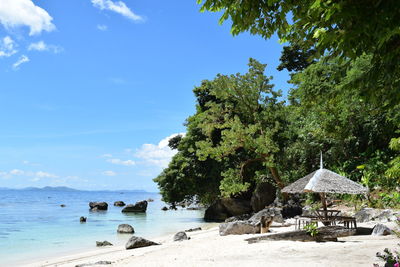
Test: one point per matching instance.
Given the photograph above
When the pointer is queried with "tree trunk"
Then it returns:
(277, 177)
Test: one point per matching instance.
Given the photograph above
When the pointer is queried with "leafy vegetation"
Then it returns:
(338, 29)
(344, 63)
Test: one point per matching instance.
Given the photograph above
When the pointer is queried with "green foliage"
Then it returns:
(344, 29)
(394, 171)
(232, 140)
(311, 229)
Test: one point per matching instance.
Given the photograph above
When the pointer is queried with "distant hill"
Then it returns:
(50, 188)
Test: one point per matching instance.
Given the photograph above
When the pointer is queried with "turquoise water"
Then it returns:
(33, 226)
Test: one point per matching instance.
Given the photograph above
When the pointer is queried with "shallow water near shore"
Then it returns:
(34, 226)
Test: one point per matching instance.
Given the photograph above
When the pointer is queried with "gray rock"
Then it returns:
(224, 208)
(62, 205)
(119, 203)
(140, 206)
(150, 200)
(103, 243)
(125, 229)
(94, 264)
(82, 219)
(381, 229)
(366, 214)
(243, 217)
(164, 208)
(291, 210)
(139, 242)
(216, 212)
(267, 212)
(370, 214)
(263, 195)
(95, 206)
(238, 228)
(180, 236)
(236, 206)
(193, 229)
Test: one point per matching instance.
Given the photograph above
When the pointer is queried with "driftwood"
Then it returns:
(328, 233)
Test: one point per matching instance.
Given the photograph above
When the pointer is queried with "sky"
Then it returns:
(91, 90)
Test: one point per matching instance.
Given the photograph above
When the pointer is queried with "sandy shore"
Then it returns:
(207, 248)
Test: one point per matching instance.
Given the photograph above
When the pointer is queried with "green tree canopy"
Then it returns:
(344, 29)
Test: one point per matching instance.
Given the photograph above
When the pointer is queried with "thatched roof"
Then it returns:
(325, 181)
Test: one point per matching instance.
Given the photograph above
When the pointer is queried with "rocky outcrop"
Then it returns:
(263, 195)
(243, 217)
(370, 214)
(140, 206)
(381, 229)
(180, 236)
(119, 203)
(274, 213)
(95, 206)
(216, 212)
(125, 229)
(103, 243)
(238, 228)
(139, 242)
(82, 219)
(224, 208)
(291, 210)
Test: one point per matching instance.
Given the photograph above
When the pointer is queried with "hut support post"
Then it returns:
(324, 205)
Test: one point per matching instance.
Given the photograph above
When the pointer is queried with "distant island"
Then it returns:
(68, 189)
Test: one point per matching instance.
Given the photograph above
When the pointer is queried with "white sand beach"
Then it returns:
(207, 248)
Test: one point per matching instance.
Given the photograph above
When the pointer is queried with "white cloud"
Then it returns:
(109, 173)
(22, 59)
(102, 27)
(117, 7)
(159, 155)
(42, 46)
(7, 47)
(122, 162)
(106, 156)
(41, 174)
(17, 172)
(15, 13)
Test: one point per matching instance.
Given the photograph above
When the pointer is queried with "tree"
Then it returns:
(344, 29)
(232, 142)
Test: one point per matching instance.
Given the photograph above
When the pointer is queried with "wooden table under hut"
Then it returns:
(324, 181)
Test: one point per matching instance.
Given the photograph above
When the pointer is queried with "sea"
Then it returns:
(34, 226)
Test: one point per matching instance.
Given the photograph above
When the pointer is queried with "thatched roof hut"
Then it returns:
(325, 181)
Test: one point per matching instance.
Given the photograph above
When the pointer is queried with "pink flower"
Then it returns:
(396, 264)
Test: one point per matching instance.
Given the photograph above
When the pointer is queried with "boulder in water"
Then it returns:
(103, 243)
(125, 229)
(140, 206)
(119, 203)
(82, 219)
(95, 206)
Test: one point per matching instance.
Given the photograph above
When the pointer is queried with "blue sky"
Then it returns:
(91, 89)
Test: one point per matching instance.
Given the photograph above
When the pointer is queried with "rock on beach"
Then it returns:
(139, 242)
